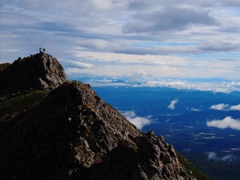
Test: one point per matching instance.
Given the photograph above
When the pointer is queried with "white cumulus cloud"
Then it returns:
(172, 104)
(235, 108)
(227, 122)
(138, 76)
(220, 107)
(225, 107)
(139, 122)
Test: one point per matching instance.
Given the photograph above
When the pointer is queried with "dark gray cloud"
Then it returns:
(171, 18)
(232, 29)
(219, 46)
(232, 3)
(227, 59)
(158, 50)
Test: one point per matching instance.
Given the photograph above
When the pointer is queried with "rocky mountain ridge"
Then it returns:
(74, 134)
(38, 71)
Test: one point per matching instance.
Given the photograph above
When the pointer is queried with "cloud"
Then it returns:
(139, 122)
(172, 104)
(186, 150)
(235, 108)
(227, 59)
(225, 107)
(138, 76)
(195, 109)
(220, 85)
(220, 107)
(78, 64)
(170, 18)
(234, 3)
(227, 158)
(212, 156)
(159, 50)
(227, 122)
(163, 38)
(220, 46)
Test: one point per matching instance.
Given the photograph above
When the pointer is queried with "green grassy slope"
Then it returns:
(19, 104)
(191, 169)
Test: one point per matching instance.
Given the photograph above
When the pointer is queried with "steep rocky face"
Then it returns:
(39, 71)
(74, 134)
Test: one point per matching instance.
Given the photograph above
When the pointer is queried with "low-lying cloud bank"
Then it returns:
(227, 158)
(227, 122)
(143, 80)
(195, 109)
(225, 107)
(139, 122)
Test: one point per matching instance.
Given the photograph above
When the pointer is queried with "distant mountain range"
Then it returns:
(201, 84)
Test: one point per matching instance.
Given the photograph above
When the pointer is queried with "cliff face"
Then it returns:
(39, 71)
(73, 134)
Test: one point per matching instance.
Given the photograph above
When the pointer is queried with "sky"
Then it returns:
(127, 38)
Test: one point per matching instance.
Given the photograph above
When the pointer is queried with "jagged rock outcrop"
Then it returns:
(74, 134)
(39, 71)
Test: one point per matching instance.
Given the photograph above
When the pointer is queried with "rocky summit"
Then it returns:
(39, 71)
(72, 134)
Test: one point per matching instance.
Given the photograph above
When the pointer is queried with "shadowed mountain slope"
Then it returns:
(73, 134)
(51, 128)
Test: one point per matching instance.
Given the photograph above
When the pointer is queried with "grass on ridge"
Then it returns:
(18, 104)
(191, 169)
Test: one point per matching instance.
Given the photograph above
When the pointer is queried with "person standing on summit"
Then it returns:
(42, 50)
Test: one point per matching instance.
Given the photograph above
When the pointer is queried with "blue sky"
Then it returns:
(115, 38)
